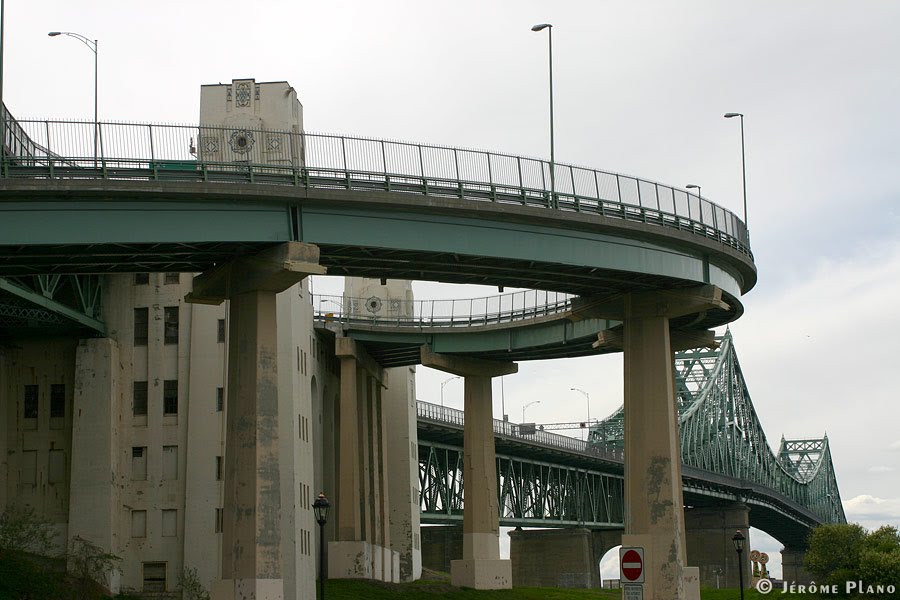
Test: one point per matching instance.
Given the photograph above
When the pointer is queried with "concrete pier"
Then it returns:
(709, 545)
(481, 566)
(252, 565)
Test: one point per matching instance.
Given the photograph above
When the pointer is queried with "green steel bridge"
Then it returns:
(168, 198)
(550, 480)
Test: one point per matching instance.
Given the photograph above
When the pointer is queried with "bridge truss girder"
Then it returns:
(531, 493)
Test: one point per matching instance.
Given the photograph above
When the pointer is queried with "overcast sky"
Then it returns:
(640, 88)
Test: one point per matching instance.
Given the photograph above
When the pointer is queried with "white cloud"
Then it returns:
(895, 445)
(872, 512)
(880, 469)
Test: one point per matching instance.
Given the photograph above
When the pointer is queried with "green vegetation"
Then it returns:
(847, 552)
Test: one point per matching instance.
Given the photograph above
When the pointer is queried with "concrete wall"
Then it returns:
(792, 568)
(709, 546)
(561, 558)
(37, 452)
(440, 545)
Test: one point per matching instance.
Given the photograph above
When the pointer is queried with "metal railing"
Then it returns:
(314, 160)
(513, 431)
(471, 312)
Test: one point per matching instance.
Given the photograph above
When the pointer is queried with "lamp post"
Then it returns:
(443, 383)
(526, 406)
(743, 165)
(92, 46)
(588, 398)
(738, 541)
(691, 186)
(549, 28)
(320, 507)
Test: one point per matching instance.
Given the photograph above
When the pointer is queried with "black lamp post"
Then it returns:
(320, 507)
(738, 540)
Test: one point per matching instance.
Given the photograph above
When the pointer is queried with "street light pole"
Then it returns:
(588, 398)
(691, 186)
(443, 383)
(743, 165)
(526, 406)
(93, 47)
(549, 28)
(320, 508)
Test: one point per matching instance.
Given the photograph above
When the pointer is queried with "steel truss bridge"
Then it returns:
(557, 481)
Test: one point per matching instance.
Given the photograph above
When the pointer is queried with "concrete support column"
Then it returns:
(251, 540)
(95, 508)
(361, 550)
(251, 557)
(793, 570)
(654, 506)
(556, 558)
(709, 546)
(481, 566)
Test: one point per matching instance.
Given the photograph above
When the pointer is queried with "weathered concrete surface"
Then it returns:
(709, 546)
(558, 558)
(440, 546)
(792, 567)
(654, 503)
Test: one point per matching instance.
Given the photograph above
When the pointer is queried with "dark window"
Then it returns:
(141, 278)
(172, 278)
(170, 314)
(220, 399)
(221, 333)
(31, 402)
(219, 519)
(141, 326)
(218, 468)
(57, 400)
(139, 402)
(170, 397)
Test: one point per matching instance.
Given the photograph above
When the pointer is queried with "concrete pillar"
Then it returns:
(480, 566)
(399, 406)
(556, 558)
(9, 418)
(94, 506)
(709, 546)
(793, 569)
(440, 546)
(251, 558)
(361, 550)
(654, 507)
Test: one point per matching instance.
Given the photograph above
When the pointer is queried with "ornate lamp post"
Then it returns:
(738, 540)
(320, 507)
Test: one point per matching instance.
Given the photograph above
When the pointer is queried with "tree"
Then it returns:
(191, 588)
(846, 552)
(89, 562)
(22, 530)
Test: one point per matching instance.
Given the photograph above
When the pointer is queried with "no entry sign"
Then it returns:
(631, 565)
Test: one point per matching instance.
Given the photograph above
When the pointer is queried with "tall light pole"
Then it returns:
(526, 406)
(92, 46)
(743, 165)
(692, 186)
(588, 398)
(549, 28)
(443, 383)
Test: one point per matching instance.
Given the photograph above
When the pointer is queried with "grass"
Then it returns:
(437, 585)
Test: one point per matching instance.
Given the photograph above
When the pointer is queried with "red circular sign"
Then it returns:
(632, 566)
